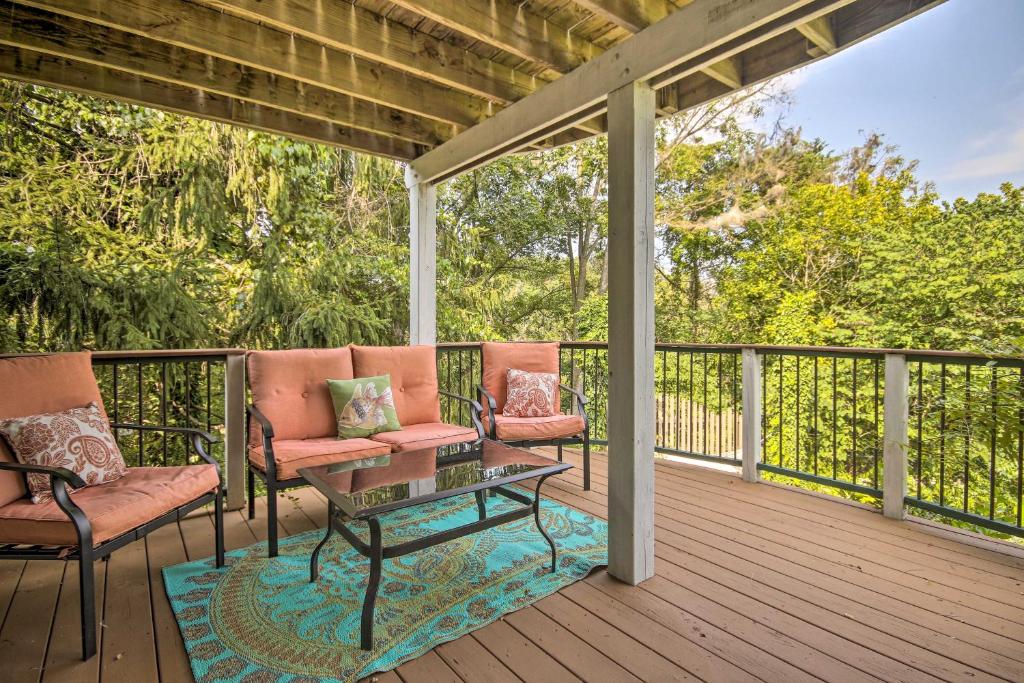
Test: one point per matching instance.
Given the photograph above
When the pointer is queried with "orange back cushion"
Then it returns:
(498, 357)
(413, 371)
(290, 389)
(42, 384)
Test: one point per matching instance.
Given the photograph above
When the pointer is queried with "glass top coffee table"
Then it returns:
(365, 489)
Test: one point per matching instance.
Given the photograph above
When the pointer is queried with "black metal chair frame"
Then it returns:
(85, 552)
(269, 475)
(582, 439)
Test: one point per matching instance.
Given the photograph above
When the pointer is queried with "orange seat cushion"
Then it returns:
(114, 508)
(291, 454)
(498, 357)
(426, 435)
(509, 428)
(290, 389)
(42, 384)
(413, 371)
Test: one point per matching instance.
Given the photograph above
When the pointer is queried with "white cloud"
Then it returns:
(995, 154)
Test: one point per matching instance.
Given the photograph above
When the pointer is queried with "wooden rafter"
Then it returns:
(350, 28)
(102, 46)
(632, 15)
(229, 37)
(514, 29)
(88, 79)
(819, 32)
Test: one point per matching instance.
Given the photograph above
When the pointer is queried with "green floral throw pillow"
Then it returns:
(363, 406)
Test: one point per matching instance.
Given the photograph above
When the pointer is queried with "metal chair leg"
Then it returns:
(586, 459)
(87, 596)
(252, 491)
(218, 523)
(271, 519)
(559, 451)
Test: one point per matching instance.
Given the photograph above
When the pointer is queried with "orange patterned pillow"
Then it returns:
(78, 439)
(531, 394)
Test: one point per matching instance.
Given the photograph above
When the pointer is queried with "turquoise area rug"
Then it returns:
(259, 620)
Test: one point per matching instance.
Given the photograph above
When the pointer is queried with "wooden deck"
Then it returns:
(754, 582)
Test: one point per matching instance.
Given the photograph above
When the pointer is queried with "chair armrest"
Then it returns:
(579, 395)
(581, 403)
(475, 410)
(492, 406)
(265, 426)
(56, 473)
(197, 436)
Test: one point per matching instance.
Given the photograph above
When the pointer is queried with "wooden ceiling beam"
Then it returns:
(819, 32)
(345, 26)
(632, 15)
(729, 71)
(102, 46)
(509, 27)
(232, 38)
(88, 79)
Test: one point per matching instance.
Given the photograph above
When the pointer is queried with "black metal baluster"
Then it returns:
(163, 405)
(967, 437)
(796, 424)
(815, 415)
(209, 402)
(117, 400)
(690, 442)
(678, 414)
(835, 418)
(942, 434)
(853, 475)
(704, 406)
(735, 412)
(188, 410)
(920, 426)
(142, 434)
(782, 360)
(764, 404)
(1020, 444)
(877, 446)
(719, 356)
(994, 390)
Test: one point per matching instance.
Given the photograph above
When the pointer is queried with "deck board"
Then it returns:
(754, 582)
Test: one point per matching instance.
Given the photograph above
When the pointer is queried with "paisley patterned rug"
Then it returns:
(259, 620)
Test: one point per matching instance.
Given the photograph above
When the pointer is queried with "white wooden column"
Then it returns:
(631, 168)
(422, 260)
(751, 414)
(896, 414)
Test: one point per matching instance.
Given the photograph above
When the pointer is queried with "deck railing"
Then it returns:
(948, 426)
(939, 432)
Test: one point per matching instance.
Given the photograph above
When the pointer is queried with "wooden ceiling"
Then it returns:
(395, 79)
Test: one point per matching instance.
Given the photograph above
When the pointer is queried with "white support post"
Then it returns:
(234, 430)
(895, 437)
(422, 260)
(631, 169)
(751, 414)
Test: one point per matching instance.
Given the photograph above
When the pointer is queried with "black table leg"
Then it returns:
(314, 561)
(376, 559)
(547, 537)
(481, 505)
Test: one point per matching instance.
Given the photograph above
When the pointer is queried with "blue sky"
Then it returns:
(947, 87)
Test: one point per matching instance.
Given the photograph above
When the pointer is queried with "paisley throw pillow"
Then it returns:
(531, 394)
(78, 439)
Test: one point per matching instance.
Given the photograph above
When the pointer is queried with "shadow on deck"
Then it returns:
(754, 582)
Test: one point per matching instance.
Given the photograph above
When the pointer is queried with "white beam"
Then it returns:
(422, 260)
(896, 419)
(631, 170)
(751, 414)
(696, 36)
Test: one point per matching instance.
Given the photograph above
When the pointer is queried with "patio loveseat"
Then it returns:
(292, 423)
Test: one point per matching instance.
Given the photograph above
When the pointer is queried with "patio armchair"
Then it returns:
(292, 423)
(95, 520)
(554, 430)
